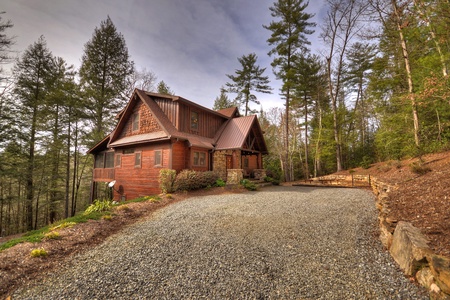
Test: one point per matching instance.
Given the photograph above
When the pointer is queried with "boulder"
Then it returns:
(440, 268)
(409, 248)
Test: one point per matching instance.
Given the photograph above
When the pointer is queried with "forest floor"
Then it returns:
(421, 194)
(422, 199)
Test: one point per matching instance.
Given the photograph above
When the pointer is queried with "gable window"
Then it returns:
(158, 158)
(135, 121)
(137, 159)
(199, 159)
(194, 120)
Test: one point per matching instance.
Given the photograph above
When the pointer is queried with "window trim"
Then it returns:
(136, 154)
(194, 120)
(99, 163)
(111, 155)
(199, 159)
(118, 160)
(160, 158)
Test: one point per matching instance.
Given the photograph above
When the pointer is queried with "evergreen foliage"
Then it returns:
(288, 38)
(247, 80)
(222, 101)
(105, 68)
(164, 89)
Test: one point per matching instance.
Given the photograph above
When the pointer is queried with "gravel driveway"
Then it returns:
(277, 243)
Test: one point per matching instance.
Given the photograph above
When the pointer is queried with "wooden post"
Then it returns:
(352, 181)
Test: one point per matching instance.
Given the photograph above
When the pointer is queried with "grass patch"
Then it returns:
(52, 235)
(36, 236)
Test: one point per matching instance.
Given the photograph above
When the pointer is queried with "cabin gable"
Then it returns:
(146, 122)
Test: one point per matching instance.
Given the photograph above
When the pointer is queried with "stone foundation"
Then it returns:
(234, 176)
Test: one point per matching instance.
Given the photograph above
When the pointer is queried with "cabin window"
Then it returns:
(199, 159)
(158, 158)
(194, 120)
(118, 160)
(135, 120)
(137, 159)
(99, 160)
(109, 160)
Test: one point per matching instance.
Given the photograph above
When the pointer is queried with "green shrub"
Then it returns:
(271, 180)
(366, 162)
(192, 180)
(275, 182)
(249, 185)
(39, 252)
(99, 206)
(220, 182)
(167, 180)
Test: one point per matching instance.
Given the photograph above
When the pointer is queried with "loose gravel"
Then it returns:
(277, 243)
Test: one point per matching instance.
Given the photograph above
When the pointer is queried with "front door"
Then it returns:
(229, 162)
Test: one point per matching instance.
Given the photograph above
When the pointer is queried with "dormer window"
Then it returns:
(194, 120)
(135, 122)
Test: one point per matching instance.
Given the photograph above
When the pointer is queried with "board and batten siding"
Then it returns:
(180, 115)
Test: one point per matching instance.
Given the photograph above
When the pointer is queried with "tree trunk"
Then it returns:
(30, 174)
(306, 139)
(67, 187)
(408, 73)
(55, 170)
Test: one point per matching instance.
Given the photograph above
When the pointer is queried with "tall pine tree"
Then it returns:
(289, 39)
(104, 70)
(34, 77)
(247, 80)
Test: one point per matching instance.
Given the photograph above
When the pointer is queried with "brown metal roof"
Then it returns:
(202, 142)
(229, 112)
(234, 134)
(140, 138)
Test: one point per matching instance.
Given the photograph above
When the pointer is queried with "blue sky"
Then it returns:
(190, 44)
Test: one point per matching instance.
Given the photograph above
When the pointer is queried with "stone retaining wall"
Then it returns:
(409, 248)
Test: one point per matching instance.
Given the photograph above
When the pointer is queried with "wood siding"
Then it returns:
(147, 122)
(208, 124)
(170, 109)
(179, 152)
(143, 180)
(103, 175)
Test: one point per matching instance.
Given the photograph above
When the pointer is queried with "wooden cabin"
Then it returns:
(157, 131)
